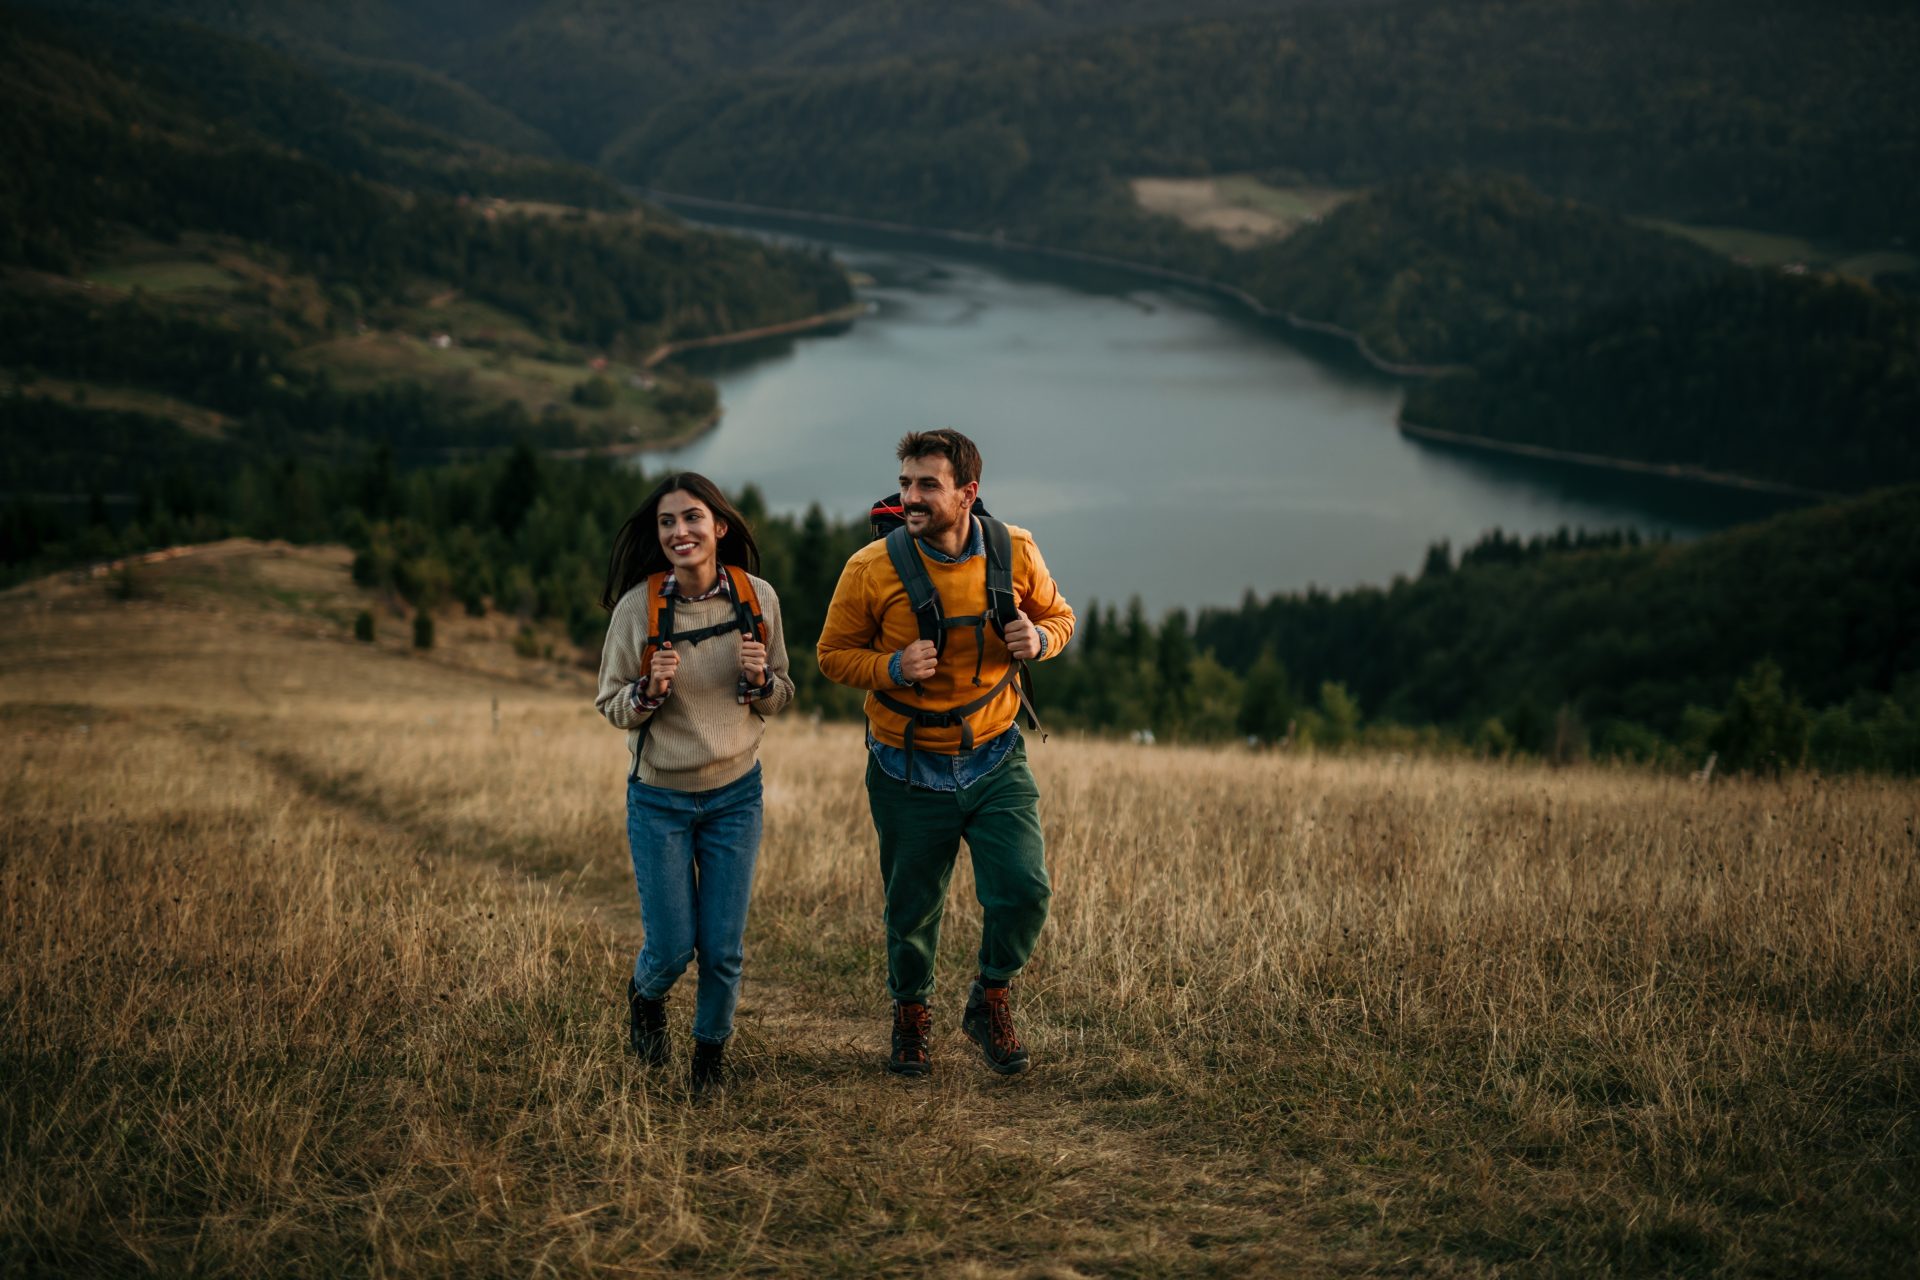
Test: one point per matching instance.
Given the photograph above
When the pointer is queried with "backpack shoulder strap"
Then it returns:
(659, 620)
(659, 626)
(1000, 602)
(921, 595)
(1001, 606)
(746, 604)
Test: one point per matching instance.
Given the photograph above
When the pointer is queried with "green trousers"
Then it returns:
(920, 834)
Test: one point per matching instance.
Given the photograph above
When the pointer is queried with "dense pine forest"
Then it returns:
(1444, 269)
(1771, 114)
(1818, 384)
(1773, 645)
(577, 74)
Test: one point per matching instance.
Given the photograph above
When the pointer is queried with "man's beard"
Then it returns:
(936, 523)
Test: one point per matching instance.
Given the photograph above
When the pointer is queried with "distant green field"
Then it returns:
(194, 419)
(1770, 249)
(479, 374)
(1866, 266)
(176, 276)
(468, 320)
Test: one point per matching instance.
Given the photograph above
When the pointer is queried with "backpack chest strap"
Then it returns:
(697, 634)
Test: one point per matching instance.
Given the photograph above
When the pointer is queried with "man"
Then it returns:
(945, 759)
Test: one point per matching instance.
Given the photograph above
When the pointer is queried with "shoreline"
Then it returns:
(628, 449)
(990, 241)
(1664, 470)
(820, 320)
(667, 350)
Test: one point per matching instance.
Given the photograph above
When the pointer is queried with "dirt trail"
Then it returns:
(275, 694)
(790, 1042)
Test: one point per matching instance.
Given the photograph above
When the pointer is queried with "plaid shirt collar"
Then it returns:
(722, 586)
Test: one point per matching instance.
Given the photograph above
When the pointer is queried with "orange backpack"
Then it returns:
(746, 618)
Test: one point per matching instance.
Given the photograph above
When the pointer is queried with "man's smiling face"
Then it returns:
(931, 502)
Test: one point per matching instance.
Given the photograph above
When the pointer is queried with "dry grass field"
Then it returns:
(307, 968)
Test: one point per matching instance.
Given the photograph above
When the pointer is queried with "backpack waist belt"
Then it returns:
(922, 718)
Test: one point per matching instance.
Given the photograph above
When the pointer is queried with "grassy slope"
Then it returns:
(306, 967)
(495, 358)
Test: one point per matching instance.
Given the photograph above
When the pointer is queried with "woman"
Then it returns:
(694, 662)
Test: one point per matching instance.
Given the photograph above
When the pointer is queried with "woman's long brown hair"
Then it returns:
(637, 552)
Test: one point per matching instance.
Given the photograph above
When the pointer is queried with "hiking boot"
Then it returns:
(988, 1022)
(647, 1026)
(709, 1065)
(912, 1021)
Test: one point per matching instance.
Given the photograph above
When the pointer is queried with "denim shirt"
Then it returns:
(931, 770)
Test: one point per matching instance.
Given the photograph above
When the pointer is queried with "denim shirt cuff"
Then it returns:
(893, 670)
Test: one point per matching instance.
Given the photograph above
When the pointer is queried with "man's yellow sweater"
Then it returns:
(870, 619)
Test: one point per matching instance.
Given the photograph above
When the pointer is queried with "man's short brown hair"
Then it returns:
(946, 443)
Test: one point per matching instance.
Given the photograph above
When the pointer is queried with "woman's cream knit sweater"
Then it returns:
(702, 737)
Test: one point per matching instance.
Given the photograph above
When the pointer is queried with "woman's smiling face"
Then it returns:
(689, 533)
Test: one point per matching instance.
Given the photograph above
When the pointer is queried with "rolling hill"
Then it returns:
(322, 273)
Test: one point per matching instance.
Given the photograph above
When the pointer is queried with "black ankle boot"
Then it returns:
(647, 1026)
(709, 1065)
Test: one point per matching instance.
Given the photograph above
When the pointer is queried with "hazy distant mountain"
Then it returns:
(1769, 113)
(388, 53)
(585, 71)
(1764, 113)
(180, 69)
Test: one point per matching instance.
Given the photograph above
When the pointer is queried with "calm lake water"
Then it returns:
(1155, 440)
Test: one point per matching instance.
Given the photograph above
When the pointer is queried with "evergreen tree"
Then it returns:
(1764, 728)
(1266, 706)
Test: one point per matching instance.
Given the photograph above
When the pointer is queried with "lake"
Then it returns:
(1157, 440)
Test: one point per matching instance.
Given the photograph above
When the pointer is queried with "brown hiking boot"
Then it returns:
(911, 1023)
(988, 1022)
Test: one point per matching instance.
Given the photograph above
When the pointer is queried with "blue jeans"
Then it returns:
(693, 856)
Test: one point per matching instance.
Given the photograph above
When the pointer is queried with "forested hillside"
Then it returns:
(1768, 114)
(585, 71)
(1029, 119)
(1764, 114)
(236, 300)
(1449, 269)
(1633, 634)
(1815, 384)
(269, 251)
(87, 68)
(1774, 643)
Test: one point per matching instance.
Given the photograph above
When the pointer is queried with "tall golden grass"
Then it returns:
(306, 968)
